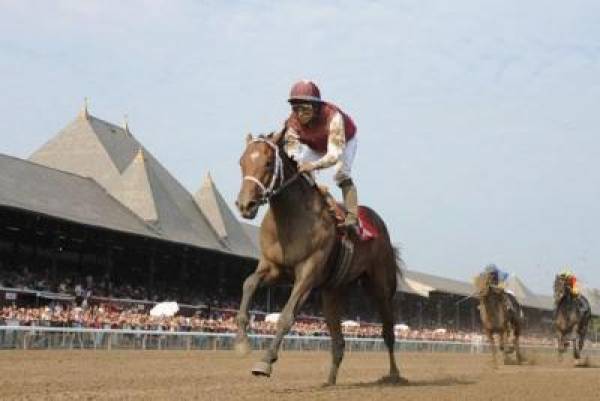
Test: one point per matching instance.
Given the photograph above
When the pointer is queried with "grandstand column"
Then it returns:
(54, 257)
(151, 268)
(183, 266)
(457, 318)
(109, 266)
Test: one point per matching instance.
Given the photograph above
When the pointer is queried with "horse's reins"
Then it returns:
(278, 175)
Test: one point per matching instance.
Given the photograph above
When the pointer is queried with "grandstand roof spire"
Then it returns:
(84, 109)
(126, 124)
(140, 156)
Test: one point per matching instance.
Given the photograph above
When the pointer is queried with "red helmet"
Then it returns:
(305, 91)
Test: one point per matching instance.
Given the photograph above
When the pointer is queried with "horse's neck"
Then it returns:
(567, 301)
(298, 202)
(493, 298)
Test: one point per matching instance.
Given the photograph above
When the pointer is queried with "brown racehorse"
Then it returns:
(297, 236)
(500, 314)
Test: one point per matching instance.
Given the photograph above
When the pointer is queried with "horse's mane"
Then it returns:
(278, 139)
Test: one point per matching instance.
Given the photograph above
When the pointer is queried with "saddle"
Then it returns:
(512, 305)
(366, 229)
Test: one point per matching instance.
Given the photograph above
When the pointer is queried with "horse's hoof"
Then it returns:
(261, 369)
(242, 347)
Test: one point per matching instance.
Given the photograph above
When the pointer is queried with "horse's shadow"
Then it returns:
(439, 382)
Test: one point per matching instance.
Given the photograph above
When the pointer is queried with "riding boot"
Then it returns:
(351, 202)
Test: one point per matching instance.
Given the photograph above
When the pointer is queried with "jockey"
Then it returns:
(498, 279)
(571, 280)
(497, 276)
(319, 135)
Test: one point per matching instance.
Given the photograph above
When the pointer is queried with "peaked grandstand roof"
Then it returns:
(424, 283)
(134, 191)
(113, 157)
(224, 222)
(252, 232)
(29, 186)
(523, 294)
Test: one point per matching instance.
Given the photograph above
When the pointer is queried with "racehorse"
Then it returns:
(500, 314)
(572, 315)
(298, 237)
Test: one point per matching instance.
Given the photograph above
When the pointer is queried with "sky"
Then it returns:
(477, 119)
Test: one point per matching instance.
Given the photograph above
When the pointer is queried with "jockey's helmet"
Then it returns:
(566, 272)
(305, 91)
(491, 268)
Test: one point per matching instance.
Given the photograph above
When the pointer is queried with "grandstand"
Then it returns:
(94, 215)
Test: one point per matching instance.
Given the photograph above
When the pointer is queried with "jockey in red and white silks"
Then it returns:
(319, 135)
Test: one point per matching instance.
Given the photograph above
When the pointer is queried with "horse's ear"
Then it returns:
(249, 138)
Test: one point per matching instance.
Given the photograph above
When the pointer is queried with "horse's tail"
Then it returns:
(400, 265)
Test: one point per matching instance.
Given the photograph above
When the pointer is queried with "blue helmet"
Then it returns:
(492, 268)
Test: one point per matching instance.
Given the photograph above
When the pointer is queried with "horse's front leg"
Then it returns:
(303, 284)
(490, 336)
(503, 347)
(242, 319)
(576, 353)
(561, 345)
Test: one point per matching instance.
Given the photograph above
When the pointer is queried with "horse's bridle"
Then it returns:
(278, 175)
(564, 291)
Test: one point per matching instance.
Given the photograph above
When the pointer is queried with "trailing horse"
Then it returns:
(572, 315)
(500, 314)
(299, 240)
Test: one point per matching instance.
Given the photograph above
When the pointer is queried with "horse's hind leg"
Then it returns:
(384, 300)
(582, 333)
(332, 311)
(516, 335)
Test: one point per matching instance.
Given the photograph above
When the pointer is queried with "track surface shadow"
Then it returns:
(439, 382)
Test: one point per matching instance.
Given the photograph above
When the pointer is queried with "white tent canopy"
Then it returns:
(272, 317)
(164, 309)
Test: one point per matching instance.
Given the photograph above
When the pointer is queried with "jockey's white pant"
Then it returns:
(343, 168)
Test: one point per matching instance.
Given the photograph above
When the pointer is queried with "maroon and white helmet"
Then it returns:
(306, 91)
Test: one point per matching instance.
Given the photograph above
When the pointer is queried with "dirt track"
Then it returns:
(203, 375)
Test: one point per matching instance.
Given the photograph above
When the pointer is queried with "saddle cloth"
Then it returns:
(367, 230)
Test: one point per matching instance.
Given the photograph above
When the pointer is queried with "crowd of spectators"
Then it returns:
(21, 277)
(108, 317)
(95, 306)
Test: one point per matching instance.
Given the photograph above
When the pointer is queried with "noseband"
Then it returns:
(267, 192)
